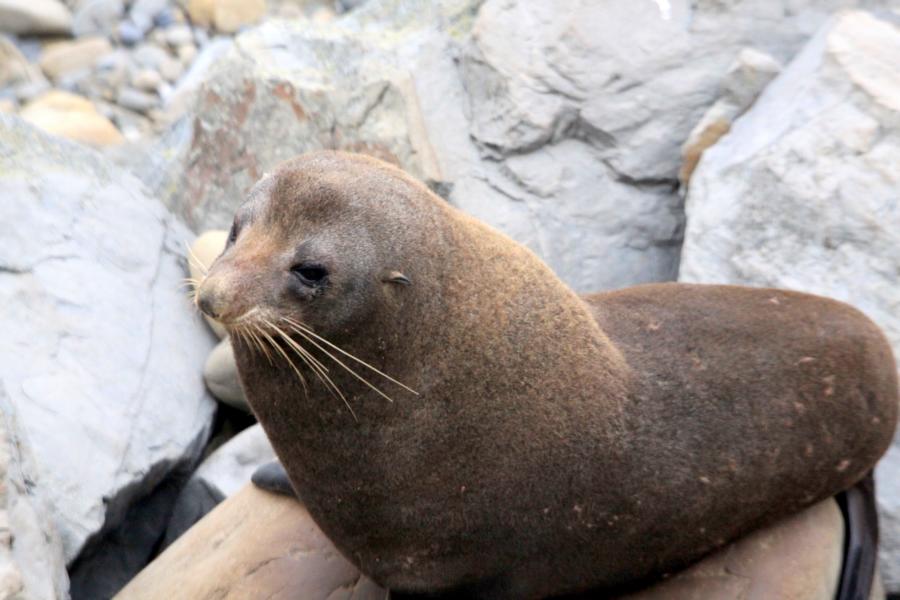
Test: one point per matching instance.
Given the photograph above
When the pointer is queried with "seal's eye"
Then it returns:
(232, 235)
(310, 274)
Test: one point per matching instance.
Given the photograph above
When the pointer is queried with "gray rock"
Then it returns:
(221, 475)
(179, 35)
(31, 556)
(97, 17)
(149, 56)
(164, 18)
(147, 80)
(114, 559)
(29, 90)
(594, 100)
(14, 67)
(137, 100)
(221, 376)
(34, 16)
(129, 33)
(109, 392)
(506, 110)
(347, 5)
(229, 468)
(802, 194)
(143, 13)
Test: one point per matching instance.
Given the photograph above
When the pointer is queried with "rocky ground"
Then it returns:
(625, 142)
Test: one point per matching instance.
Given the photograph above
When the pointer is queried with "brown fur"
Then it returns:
(558, 443)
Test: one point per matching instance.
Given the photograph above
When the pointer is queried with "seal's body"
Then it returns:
(556, 443)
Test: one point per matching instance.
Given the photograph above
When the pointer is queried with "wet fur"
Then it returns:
(558, 443)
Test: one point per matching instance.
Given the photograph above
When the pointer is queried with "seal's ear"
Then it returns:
(394, 277)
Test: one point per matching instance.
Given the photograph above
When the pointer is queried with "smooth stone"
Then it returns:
(14, 67)
(253, 545)
(71, 116)
(137, 100)
(129, 33)
(8, 105)
(201, 12)
(171, 69)
(186, 54)
(150, 56)
(144, 12)
(147, 80)
(97, 17)
(179, 35)
(231, 15)
(61, 58)
(205, 249)
(221, 376)
(165, 18)
(28, 91)
(231, 466)
(34, 17)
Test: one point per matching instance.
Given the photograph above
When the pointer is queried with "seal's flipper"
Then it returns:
(861, 544)
(273, 478)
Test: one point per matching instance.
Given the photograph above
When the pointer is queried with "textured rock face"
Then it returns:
(31, 557)
(584, 105)
(104, 352)
(802, 194)
(521, 125)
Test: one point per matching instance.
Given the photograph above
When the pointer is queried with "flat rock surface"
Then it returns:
(104, 353)
(253, 545)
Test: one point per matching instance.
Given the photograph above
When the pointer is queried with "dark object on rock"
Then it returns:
(273, 478)
(861, 543)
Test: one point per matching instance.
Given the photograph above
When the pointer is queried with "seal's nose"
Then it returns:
(206, 303)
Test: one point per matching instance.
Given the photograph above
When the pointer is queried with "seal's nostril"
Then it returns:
(206, 307)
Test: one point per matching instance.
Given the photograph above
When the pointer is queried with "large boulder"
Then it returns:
(803, 194)
(31, 556)
(558, 122)
(105, 353)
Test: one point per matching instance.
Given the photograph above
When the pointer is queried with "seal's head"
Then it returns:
(307, 246)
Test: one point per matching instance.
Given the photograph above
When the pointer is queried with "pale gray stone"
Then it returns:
(143, 13)
(97, 17)
(34, 16)
(803, 194)
(221, 376)
(137, 100)
(106, 353)
(32, 566)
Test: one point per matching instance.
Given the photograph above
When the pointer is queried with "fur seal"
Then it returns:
(496, 435)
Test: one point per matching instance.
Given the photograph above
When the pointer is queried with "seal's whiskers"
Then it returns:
(306, 332)
(196, 261)
(314, 364)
